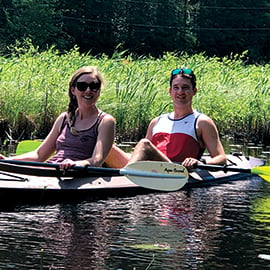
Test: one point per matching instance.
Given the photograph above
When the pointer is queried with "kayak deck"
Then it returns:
(235, 160)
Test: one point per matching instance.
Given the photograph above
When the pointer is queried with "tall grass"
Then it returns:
(235, 95)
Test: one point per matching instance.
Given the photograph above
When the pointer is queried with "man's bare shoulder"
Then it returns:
(204, 121)
(203, 117)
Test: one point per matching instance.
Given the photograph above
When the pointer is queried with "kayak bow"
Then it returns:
(156, 175)
(262, 171)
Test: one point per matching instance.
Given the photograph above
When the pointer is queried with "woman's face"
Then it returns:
(87, 89)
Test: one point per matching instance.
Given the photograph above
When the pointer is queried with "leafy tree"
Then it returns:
(143, 27)
(89, 23)
(160, 27)
(234, 26)
(34, 19)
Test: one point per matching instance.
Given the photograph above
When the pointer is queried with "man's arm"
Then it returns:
(208, 134)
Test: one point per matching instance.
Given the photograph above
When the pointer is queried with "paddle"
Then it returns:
(262, 171)
(148, 174)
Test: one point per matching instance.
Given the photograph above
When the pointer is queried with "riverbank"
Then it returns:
(34, 89)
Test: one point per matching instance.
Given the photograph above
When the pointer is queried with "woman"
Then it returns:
(84, 134)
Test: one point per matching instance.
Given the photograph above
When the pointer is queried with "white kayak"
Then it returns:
(44, 185)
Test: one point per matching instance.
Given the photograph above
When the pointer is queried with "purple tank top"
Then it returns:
(76, 147)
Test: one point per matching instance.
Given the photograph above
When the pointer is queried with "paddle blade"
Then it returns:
(157, 175)
(265, 177)
(27, 146)
(263, 172)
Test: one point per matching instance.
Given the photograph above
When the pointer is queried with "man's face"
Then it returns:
(181, 90)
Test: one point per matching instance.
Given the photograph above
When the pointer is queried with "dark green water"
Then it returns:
(215, 227)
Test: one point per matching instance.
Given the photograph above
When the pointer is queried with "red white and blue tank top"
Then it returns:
(76, 147)
(177, 138)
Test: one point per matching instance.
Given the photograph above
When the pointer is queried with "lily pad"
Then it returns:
(151, 246)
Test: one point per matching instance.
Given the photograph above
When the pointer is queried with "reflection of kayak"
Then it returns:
(43, 186)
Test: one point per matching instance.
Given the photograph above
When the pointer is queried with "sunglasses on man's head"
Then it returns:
(185, 71)
(93, 86)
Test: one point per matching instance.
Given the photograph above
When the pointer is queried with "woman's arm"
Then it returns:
(105, 139)
(47, 147)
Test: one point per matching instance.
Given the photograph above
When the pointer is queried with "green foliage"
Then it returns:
(143, 27)
(32, 19)
(234, 94)
(233, 26)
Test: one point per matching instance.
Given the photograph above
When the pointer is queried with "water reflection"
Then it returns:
(248, 149)
(218, 227)
(261, 212)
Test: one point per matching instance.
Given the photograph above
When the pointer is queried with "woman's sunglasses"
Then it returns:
(93, 86)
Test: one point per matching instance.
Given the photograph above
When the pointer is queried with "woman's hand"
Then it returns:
(68, 163)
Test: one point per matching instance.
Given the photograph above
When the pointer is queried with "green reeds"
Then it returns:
(234, 94)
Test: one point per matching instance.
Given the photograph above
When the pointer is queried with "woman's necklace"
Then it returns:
(74, 131)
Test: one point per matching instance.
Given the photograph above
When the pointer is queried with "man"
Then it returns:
(179, 136)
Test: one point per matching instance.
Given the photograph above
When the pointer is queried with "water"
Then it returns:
(215, 227)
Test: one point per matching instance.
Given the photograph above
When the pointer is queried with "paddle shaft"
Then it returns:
(222, 168)
(95, 171)
(117, 172)
(91, 171)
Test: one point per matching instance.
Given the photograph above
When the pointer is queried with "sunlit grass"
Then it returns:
(235, 95)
